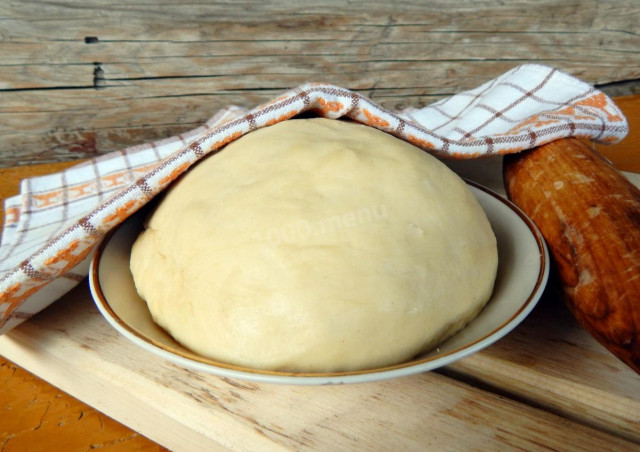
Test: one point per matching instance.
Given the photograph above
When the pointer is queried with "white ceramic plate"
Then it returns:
(522, 275)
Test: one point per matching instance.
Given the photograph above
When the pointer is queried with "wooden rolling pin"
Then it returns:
(589, 214)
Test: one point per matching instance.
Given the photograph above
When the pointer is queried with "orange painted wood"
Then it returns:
(626, 154)
(35, 415)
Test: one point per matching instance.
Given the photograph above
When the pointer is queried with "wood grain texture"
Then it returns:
(549, 377)
(550, 361)
(33, 413)
(589, 215)
(80, 79)
(207, 413)
(35, 416)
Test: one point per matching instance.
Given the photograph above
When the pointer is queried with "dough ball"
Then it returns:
(316, 245)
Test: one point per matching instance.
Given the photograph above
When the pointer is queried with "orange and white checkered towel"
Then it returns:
(52, 227)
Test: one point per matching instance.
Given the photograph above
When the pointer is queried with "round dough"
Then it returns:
(316, 245)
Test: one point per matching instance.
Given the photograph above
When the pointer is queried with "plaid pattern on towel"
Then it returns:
(52, 227)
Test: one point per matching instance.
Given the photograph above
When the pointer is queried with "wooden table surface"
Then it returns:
(82, 79)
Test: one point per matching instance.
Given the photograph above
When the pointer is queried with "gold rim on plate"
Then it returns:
(172, 351)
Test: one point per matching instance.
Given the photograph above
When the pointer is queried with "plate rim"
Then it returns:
(192, 360)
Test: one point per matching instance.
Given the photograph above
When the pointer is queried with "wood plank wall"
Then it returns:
(84, 78)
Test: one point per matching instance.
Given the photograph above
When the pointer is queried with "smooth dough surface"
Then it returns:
(316, 245)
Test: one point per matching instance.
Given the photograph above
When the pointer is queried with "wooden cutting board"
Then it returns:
(546, 384)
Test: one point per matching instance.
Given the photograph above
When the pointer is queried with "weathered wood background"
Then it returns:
(80, 78)
(88, 77)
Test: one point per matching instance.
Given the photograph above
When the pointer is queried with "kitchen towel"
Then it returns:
(54, 224)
